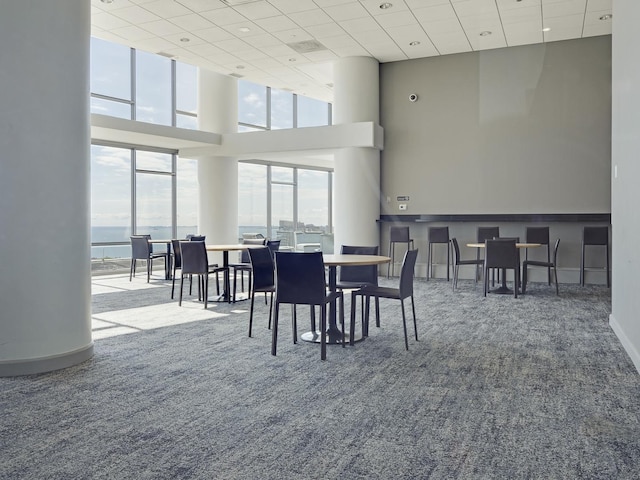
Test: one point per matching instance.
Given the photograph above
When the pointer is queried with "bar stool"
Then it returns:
(438, 235)
(398, 235)
(539, 235)
(594, 236)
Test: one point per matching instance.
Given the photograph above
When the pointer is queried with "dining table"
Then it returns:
(332, 262)
(225, 249)
(503, 288)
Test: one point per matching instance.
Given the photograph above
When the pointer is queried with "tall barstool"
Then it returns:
(398, 235)
(482, 234)
(539, 235)
(594, 236)
(438, 235)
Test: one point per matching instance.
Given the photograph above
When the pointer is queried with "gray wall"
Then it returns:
(515, 130)
(625, 301)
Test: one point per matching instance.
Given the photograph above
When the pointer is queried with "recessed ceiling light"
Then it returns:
(106, 1)
(292, 59)
(606, 17)
(386, 5)
(185, 39)
(486, 33)
(244, 29)
(414, 43)
(546, 29)
(240, 67)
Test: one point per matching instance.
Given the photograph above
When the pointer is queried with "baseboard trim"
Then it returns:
(626, 343)
(14, 368)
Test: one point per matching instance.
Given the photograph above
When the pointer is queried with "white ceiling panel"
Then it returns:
(255, 35)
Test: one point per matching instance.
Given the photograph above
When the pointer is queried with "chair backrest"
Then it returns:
(197, 238)
(194, 257)
(595, 236)
(407, 273)
(438, 234)
(274, 246)
(262, 266)
(501, 253)
(537, 235)
(177, 255)
(399, 234)
(140, 246)
(300, 278)
(485, 233)
(244, 254)
(555, 252)
(456, 250)
(361, 273)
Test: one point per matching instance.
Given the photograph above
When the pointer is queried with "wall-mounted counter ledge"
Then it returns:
(502, 218)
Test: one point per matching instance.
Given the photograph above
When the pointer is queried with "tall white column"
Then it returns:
(218, 176)
(45, 285)
(357, 169)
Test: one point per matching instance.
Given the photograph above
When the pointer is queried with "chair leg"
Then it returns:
(582, 266)
(132, 269)
(173, 283)
(524, 278)
(352, 322)
(253, 297)
(429, 266)
(270, 310)
(274, 330)
(608, 275)
(454, 284)
(448, 258)
(413, 310)
(352, 333)
(149, 268)
(404, 325)
(206, 290)
(180, 297)
(555, 274)
(323, 328)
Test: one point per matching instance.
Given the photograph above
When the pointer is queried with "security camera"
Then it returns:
(413, 97)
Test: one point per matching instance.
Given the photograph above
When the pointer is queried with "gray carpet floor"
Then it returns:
(537, 387)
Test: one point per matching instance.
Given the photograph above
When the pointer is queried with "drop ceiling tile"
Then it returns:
(366, 24)
(514, 15)
(233, 45)
(436, 13)
(244, 29)
(373, 6)
(599, 5)
(277, 23)
(295, 35)
(561, 9)
(415, 4)
(593, 18)
(466, 8)
(488, 43)
(372, 37)
(533, 26)
(353, 51)
(311, 17)
(155, 45)
(339, 41)
(263, 40)
(504, 5)
(213, 34)
(279, 50)
(167, 8)
(567, 22)
(348, 11)
(330, 3)
(266, 62)
(325, 30)
(396, 19)
(524, 38)
(161, 27)
(595, 30)
(135, 15)
(201, 5)
(176, 39)
(191, 22)
(132, 33)
(408, 33)
(108, 21)
(254, 11)
(446, 27)
(224, 16)
(251, 55)
(450, 43)
(322, 56)
(292, 6)
(109, 7)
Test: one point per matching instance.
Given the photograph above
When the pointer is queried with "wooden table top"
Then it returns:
(518, 245)
(332, 260)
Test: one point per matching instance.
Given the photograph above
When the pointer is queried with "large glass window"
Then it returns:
(281, 109)
(153, 88)
(110, 201)
(186, 96)
(312, 112)
(186, 197)
(252, 104)
(252, 199)
(110, 79)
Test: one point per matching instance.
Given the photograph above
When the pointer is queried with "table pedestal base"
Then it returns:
(314, 337)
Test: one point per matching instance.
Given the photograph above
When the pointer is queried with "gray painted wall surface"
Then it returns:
(516, 130)
(625, 302)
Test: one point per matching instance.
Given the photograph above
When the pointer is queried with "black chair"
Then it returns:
(300, 280)
(201, 238)
(404, 290)
(355, 277)
(397, 235)
(482, 234)
(244, 265)
(595, 236)
(438, 235)
(274, 246)
(195, 262)
(141, 249)
(457, 261)
(502, 253)
(535, 263)
(177, 263)
(538, 235)
(196, 238)
(262, 267)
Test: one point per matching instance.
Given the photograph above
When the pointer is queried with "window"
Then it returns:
(281, 109)
(186, 197)
(252, 104)
(252, 199)
(153, 88)
(186, 96)
(110, 79)
(312, 113)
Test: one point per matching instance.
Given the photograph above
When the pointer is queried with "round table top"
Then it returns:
(231, 246)
(338, 259)
(519, 245)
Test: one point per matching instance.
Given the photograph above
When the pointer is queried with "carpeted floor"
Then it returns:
(537, 387)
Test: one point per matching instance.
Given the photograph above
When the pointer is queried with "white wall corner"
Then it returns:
(626, 343)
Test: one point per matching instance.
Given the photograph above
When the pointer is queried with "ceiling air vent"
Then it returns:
(307, 46)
